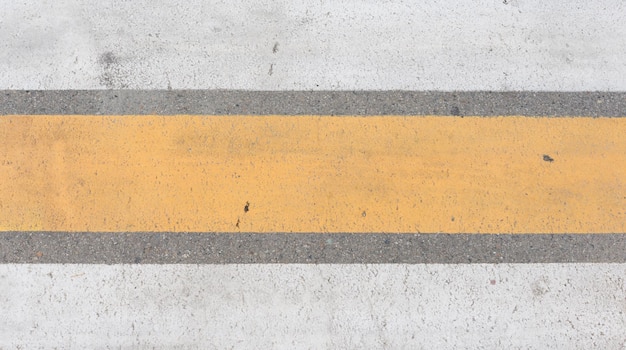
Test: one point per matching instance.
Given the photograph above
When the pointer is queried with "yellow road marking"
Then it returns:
(313, 174)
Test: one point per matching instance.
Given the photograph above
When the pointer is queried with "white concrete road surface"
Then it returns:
(508, 306)
(314, 45)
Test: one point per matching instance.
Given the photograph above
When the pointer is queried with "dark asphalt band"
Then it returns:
(248, 248)
(217, 102)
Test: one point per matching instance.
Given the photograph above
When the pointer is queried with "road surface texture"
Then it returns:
(313, 175)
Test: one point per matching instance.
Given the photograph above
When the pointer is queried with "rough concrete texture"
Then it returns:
(573, 306)
(321, 45)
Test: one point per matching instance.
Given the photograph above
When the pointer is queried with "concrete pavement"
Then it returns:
(528, 306)
(494, 45)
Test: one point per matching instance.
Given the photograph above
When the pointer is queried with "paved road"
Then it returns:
(374, 175)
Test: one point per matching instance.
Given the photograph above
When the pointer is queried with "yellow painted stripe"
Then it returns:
(313, 174)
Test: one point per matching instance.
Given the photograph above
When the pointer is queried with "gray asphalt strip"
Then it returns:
(314, 248)
(234, 102)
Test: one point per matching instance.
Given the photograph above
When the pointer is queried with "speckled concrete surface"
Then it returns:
(228, 102)
(285, 248)
(536, 306)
